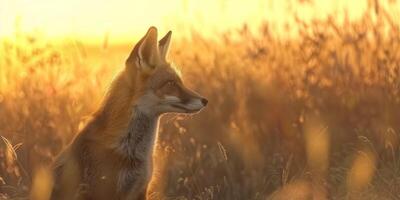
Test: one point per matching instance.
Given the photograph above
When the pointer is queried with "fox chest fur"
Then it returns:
(135, 151)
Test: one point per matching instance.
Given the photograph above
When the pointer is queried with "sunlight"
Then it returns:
(303, 99)
(121, 20)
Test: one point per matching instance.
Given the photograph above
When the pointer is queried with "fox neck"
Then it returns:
(137, 142)
(128, 129)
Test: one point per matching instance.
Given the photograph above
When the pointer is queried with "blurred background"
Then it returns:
(304, 94)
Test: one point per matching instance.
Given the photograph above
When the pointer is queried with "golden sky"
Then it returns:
(122, 20)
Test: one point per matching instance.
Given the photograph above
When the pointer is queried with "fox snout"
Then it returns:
(186, 102)
(189, 95)
(195, 103)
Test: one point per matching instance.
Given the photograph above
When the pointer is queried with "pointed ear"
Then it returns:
(163, 45)
(145, 55)
(148, 50)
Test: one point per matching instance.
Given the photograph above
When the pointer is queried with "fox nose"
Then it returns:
(204, 101)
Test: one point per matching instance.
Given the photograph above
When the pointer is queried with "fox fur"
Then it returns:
(111, 158)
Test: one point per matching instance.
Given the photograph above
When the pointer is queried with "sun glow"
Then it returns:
(120, 20)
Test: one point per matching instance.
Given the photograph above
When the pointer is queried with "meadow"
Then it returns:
(312, 117)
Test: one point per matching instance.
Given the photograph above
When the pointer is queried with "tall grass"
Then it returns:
(311, 117)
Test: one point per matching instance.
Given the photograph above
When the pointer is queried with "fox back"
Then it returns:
(111, 158)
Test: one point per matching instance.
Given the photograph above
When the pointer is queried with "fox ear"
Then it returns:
(148, 50)
(145, 55)
(163, 45)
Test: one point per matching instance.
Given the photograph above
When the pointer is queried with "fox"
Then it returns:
(111, 157)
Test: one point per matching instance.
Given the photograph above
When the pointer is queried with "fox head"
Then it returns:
(157, 86)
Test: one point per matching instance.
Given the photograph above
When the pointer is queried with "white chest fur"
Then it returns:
(137, 145)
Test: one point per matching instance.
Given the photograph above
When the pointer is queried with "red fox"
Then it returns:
(111, 158)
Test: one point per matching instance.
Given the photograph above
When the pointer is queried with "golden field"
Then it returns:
(312, 117)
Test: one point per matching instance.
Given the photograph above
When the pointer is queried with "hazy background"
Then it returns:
(304, 95)
(125, 21)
